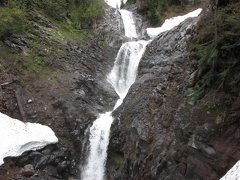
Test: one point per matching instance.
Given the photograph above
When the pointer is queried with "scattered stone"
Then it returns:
(42, 162)
(62, 166)
(27, 170)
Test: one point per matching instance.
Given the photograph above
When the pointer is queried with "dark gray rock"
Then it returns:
(35, 157)
(27, 170)
(42, 162)
(111, 28)
(63, 166)
(155, 119)
(23, 160)
(17, 43)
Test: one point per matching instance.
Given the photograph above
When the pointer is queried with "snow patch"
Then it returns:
(233, 173)
(115, 3)
(170, 23)
(17, 137)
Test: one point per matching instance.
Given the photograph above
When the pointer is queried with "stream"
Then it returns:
(121, 77)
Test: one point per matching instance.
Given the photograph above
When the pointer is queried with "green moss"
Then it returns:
(69, 32)
(151, 139)
(23, 62)
(116, 159)
(128, 119)
(128, 3)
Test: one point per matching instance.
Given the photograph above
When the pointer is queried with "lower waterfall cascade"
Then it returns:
(121, 78)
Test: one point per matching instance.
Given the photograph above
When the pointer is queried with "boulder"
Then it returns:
(27, 170)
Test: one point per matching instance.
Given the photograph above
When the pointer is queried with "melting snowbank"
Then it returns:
(170, 23)
(233, 173)
(17, 137)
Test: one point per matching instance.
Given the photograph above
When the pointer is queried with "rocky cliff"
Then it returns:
(158, 133)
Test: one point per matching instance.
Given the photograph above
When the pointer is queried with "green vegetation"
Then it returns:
(13, 19)
(24, 63)
(116, 159)
(216, 48)
(151, 139)
(84, 14)
(129, 2)
(158, 10)
(128, 119)
(78, 14)
(45, 25)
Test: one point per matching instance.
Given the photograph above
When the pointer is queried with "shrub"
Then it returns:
(12, 20)
(84, 14)
(217, 50)
(157, 9)
(57, 9)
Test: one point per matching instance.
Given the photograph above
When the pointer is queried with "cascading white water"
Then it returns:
(99, 138)
(129, 24)
(121, 77)
(125, 67)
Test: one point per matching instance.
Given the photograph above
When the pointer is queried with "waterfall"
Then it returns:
(129, 24)
(125, 67)
(121, 77)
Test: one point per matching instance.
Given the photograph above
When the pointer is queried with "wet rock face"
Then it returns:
(111, 28)
(158, 134)
(141, 22)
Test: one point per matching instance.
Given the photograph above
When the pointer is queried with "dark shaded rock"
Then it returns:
(35, 157)
(28, 170)
(35, 154)
(51, 160)
(22, 161)
(42, 162)
(63, 153)
(111, 28)
(16, 42)
(46, 151)
(62, 166)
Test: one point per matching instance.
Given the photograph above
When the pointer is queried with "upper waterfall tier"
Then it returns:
(129, 24)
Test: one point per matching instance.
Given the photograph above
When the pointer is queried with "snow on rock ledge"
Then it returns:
(170, 23)
(17, 137)
(233, 173)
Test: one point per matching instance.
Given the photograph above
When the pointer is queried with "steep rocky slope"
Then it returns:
(159, 133)
(50, 78)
